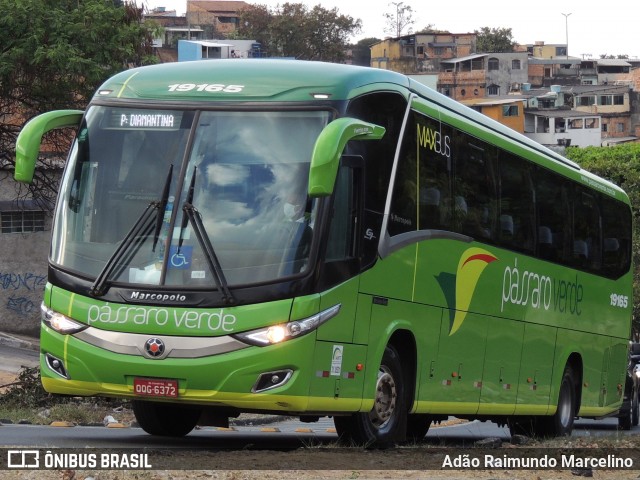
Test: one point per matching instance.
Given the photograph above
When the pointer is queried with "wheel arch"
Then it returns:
(574, 361)
(404, 343)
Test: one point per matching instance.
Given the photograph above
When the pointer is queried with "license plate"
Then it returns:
(155, 387)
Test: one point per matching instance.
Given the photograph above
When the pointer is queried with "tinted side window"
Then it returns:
(587, 248)
(432, 142)
(387, 110)
(474, 188)
(553, 214)
(616, 237)
(516, 228)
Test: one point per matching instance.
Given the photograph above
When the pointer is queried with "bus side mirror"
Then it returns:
(30, 138)
(329, 147)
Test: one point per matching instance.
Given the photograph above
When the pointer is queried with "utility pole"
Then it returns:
(566, 30)
(398, 5)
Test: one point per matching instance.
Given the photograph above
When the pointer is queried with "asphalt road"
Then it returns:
(15, 353)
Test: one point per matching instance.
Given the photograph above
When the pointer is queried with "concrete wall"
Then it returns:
(23, 266)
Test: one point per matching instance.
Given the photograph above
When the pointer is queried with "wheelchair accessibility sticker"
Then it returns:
(180, 260)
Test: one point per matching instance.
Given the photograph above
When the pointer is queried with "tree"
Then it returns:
(612, 57)
(294, 30)
(429, 28)
(53, 55)
(494, 40)
(362, 51)
(400, 19)
(620, 165)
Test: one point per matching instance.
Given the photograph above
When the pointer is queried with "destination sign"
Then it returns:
(144, 119)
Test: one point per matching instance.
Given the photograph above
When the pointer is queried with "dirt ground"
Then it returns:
(5, 379)
(317, 475)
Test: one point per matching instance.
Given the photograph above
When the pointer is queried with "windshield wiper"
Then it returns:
(161, 208)
(134, 238)
(192, 215)
(189, 200)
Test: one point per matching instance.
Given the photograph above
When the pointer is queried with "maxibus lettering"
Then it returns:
(433, 140)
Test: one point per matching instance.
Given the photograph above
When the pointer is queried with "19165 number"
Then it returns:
(205, 87)
(619, 300)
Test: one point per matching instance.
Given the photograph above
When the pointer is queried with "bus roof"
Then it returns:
(244, 80)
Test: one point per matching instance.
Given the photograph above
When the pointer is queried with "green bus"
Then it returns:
(314, 239)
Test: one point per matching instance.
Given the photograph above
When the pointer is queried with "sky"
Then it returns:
(592, 28)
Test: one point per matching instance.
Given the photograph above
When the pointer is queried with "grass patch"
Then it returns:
(26, 401)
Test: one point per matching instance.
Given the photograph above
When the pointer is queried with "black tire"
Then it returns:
(386, 423)
(560, 424)
(527, 426)
(635, 415)
(165, 419)
(418, 425)
(624, 421)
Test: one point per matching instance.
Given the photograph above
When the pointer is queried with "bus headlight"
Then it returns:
(59, 322)
(286, 331)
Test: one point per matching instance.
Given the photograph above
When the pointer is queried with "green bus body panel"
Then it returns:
(223, 380)
(30, 137)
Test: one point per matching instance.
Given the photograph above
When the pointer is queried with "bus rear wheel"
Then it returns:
(561, 423)
(165, 419)
(386, 423)
(634, 406)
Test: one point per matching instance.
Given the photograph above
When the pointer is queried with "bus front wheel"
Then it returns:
(165, 419)
(418, 425)
(386, 423)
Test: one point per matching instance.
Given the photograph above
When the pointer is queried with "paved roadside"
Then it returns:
(16, 352)
(18, 341)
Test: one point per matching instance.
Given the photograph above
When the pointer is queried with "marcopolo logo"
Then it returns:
(158, 297)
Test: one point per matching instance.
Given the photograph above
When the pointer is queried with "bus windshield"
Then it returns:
(226, 188)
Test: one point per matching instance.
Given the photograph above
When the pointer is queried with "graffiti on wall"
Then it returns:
(20, 288)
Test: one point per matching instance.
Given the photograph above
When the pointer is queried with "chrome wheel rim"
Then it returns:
(385, 399)
(564, 409)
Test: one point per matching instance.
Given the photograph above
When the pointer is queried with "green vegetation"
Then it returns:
(620, 165)
(26, 401)
(295, 30)
(494, 40)
(53, 54)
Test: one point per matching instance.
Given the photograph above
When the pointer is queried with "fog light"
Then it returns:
(269, 380)
(56, 365)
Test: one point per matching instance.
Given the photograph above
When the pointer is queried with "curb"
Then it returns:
(19, 342)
